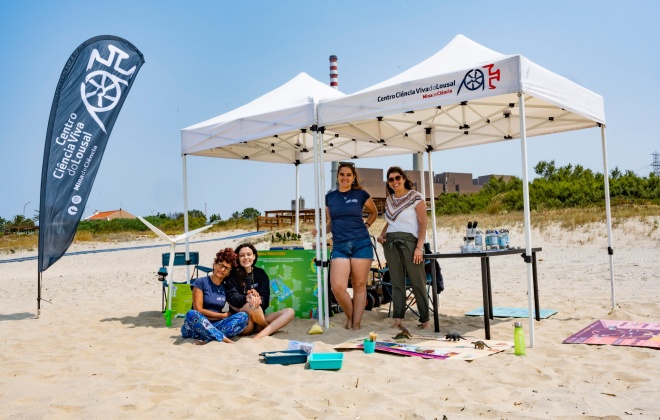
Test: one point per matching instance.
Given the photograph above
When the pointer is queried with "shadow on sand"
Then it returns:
(17, 317)
(149, 319)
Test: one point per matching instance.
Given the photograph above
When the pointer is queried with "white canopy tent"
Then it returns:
(280, 127)
(466, 95)
(276, 127)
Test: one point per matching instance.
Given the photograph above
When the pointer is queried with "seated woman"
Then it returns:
(248, 291)
(206, 321)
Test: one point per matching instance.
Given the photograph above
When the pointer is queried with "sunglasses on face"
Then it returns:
(394, 178)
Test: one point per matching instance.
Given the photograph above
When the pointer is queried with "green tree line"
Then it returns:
(172, 222)
(554, 188)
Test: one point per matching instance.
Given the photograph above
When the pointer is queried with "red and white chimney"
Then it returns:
(334, 73)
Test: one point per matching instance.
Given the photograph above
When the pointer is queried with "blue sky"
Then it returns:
(205, 58)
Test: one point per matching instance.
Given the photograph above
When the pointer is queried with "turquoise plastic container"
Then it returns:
(369, 346)
(325, 361)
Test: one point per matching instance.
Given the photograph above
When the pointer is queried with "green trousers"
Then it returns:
(399, 248)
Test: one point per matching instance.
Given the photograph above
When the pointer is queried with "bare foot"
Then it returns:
(201, 343)
(425, 325)
(349, 324)
(356, 327)
(397, 323)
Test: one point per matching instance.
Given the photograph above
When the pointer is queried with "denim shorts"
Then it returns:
(361, 249)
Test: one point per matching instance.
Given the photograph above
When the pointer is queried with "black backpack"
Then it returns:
(439, 281)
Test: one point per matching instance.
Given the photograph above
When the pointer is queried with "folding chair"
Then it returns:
(410, 297)
(179, 260)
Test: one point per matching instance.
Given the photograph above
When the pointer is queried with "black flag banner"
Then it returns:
(90, 93)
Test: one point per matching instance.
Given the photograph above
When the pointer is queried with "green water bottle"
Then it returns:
(518, 340)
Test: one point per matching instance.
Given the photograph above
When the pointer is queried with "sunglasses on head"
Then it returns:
(351, 164)
(394, 178)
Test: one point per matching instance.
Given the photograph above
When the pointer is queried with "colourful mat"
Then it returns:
(618, 333)
(503, 312)
(432, 348)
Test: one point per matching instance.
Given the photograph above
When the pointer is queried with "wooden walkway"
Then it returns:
(282, 218)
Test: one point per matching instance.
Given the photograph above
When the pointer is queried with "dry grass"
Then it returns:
(568, 219)
(9, 244)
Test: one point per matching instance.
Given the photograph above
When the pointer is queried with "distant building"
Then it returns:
(456, 182)
(485, 179)
(109, 215)
(373, 181)
(463, 182)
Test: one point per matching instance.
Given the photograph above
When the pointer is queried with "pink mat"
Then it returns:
(618, 333)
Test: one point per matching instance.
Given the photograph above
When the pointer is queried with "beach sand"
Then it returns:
(100, 348)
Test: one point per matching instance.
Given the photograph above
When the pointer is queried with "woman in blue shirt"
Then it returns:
(352, 251)
(207, 321)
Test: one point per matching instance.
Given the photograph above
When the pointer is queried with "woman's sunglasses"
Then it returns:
(394, 178)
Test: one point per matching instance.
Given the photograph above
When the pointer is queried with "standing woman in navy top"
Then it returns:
(207, 321)
(352, 251)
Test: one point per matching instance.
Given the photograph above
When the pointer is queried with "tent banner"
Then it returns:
(482, 81)
(90, 93)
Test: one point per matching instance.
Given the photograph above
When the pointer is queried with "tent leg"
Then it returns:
(418, 160)
(297, 207)
(608, 214)
(324, 245)
(528, 226)
(319, 260)
(431, 191)
(185, 215)
(434, 286)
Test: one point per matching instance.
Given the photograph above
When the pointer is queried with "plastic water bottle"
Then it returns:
(495, 241)
(489, 238)
(518, 339)
(479, 239)
(504, 238)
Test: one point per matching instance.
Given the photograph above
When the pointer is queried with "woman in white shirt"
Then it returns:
(403, 240)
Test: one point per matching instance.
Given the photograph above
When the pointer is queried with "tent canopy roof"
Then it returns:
(464, 95)
(275, 127)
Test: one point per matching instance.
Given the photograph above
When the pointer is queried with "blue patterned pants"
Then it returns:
(197, 326)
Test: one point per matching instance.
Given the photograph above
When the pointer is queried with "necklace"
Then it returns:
(345, 197)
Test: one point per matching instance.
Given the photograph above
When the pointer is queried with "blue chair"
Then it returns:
(179, 260)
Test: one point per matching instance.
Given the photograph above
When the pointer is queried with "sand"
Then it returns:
(100, 348)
